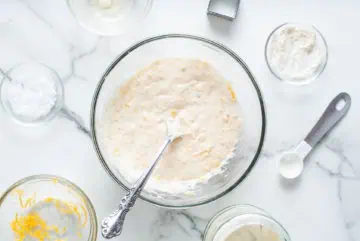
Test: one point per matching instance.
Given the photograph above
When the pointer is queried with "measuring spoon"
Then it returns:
(291, 163)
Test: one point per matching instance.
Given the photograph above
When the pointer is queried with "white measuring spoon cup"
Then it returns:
(291, 163)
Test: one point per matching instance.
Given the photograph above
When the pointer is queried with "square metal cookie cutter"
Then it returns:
(226, 9)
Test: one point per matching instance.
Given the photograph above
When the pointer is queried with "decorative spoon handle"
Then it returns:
(332, 115)
(112, 225)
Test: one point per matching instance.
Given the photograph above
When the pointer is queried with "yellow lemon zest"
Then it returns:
(48, 200)
(217, 163)
(31, 225)
(117, 151)
(85, 215)
(70, 208)
(79, 234)
(30, 201)
(20, 194)
(25, 203)
(203, 153)
(232, 93)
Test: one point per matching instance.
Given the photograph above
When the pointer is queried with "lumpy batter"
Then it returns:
(187, 89)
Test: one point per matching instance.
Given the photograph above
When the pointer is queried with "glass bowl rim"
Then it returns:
(150, 4)
(188, 37)
(305, 81)
(45, 177)
(263, 214)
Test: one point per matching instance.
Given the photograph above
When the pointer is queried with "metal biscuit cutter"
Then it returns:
(226, 9)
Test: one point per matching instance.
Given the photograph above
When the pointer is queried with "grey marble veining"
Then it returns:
(189, 225)
(77, 57)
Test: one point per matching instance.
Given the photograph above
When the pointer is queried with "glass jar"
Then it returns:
(233, 218)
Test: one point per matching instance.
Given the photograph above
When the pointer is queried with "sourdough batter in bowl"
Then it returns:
(204, 104)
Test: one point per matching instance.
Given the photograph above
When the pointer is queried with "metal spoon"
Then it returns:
(291, 164)
(112, 225)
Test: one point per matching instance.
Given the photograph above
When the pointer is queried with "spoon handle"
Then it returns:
(336, 110)
(111, 226)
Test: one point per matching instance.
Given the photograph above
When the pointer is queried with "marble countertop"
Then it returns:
(323, 205)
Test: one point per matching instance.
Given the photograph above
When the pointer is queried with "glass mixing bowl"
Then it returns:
(45, 205)
(232, 67)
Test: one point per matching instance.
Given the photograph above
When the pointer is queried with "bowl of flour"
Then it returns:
(296, 53)
(214, 97)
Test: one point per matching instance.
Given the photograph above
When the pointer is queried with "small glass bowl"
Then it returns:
(56, 201)
(322, 47)
(121, 16)
(33, 72)
(235, 217)
(16, 82)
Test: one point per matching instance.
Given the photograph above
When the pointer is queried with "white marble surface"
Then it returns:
(323, 205)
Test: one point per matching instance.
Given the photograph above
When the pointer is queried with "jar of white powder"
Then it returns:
(296, 53)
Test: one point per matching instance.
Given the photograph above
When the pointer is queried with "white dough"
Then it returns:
(203, 103)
